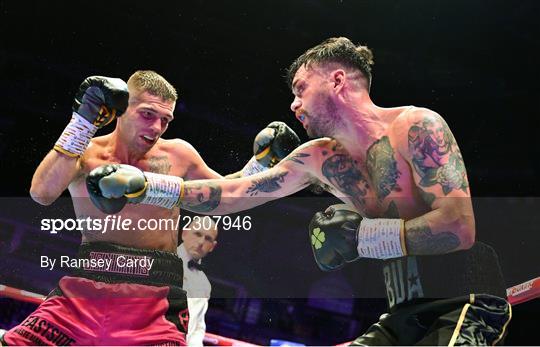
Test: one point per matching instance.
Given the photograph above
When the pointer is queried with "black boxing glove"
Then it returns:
(108, 184)
(270, 146)
(340, 235)
(334, 237)
(112, 186)
(98, 101)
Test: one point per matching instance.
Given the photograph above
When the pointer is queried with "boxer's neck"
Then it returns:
(363, 124)
(125, 151)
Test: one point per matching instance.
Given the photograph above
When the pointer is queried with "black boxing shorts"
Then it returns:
(455, 298)
(473, 320)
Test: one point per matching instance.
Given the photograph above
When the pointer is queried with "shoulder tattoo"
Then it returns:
(435, 155)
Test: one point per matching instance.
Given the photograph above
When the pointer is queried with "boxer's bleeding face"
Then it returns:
(313, 104)
(145, 120)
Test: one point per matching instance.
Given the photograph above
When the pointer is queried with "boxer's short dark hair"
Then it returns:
(335, 50)
(153, 83)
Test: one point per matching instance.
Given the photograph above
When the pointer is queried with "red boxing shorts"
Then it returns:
(111, 303)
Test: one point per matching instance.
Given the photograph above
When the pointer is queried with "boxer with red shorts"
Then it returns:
(112, 306)
(145, 305)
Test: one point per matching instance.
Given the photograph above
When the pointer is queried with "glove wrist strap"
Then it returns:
(381, 238)
(75, 137)
(163, 190)
(252, 167)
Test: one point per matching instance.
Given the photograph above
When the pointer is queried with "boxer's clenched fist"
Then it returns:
(112, 186)
(98, 101)
(334, 237)
(108, 186)
(270, 146)
(101, 99)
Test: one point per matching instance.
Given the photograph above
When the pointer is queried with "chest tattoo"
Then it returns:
(340, 170)
(159, 164)
(382, 168)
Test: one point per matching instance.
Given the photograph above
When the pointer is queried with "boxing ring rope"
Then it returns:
(523, 292)
(517, 294)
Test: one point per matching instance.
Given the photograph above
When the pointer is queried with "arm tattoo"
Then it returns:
(392, 211)
(159, 164)
(420, 239)
(201, 197)
(295, 157)
(267, 184)
(382, 167)
(436, 156)
(427, 196)
(339, 169)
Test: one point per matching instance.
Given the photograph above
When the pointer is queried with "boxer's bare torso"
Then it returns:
(171, 157)
(411, 169)
(378, 181)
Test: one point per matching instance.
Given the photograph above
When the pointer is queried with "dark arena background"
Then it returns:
(474, 62)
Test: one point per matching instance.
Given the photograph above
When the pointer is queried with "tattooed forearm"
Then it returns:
(296, 157)
(267, 184)
(201, 197)
(420, 240)
(436, 156)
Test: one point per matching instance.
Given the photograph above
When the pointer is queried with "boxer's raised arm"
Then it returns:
(98, 101)
(53, 176)
(440, 176)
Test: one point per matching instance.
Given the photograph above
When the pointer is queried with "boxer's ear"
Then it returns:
(338, 78)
